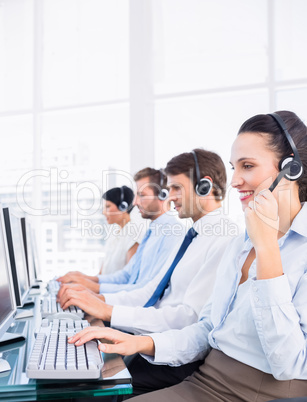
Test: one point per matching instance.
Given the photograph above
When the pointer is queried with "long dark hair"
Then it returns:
(264, 124)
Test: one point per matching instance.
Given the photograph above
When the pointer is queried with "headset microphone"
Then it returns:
(123, 206)
(290, 166)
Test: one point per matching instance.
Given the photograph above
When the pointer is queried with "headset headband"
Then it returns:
(196, 167)
(282, 125)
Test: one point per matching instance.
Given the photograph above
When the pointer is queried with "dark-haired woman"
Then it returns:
(124, 236)
(253, 334)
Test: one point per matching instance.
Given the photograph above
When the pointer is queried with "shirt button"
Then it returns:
(255, 289)
(256, 299)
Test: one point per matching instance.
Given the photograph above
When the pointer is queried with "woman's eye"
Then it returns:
(247, 166)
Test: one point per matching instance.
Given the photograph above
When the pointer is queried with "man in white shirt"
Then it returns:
(197, 183)
(165, 233)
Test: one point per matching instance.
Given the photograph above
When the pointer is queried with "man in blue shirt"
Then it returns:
(164, 234)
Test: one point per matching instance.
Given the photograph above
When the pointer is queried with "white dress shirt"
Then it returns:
(119, 242)
(166, 232)
(262, 323)
(190, 286)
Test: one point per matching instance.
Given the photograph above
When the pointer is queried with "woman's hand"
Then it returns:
(114, 341)
(262, 225)
(262, 221)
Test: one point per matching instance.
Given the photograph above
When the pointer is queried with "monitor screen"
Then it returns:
(26, 230)
(35, 253)
(17, 256)
(7, 304)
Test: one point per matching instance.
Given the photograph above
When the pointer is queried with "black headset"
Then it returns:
(163, 192)
(203, 186)
(290, 166)
(123, 206)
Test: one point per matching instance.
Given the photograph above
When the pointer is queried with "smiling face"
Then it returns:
(254, 165)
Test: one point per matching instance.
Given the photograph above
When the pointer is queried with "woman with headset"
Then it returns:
(253, 333)
(123, 239)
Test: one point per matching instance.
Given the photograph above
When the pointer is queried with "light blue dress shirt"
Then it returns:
(166, 233)
(262, 323)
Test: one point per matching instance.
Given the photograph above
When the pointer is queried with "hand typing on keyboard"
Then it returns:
(51, 308)
(53, 357)
(64, 286)
(121, 342)
(90, 282)
(87, 301)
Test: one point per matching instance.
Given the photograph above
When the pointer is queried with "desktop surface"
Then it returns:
(16, 386)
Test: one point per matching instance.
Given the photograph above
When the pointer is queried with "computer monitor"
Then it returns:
(35, 254)
(27, 243)
(7, 297)
(16, 255)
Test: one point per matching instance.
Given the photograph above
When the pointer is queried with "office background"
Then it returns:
(99, 86)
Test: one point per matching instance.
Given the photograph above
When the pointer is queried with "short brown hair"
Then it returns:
(210, 164)
(156, 178)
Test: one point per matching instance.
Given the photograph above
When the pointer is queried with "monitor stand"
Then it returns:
(17, 332)
(9, 338)
(26, 313)
(29, 301)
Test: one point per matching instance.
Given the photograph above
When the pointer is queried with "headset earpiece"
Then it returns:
(294, 167)
(203, 186)
(290, 166)
(163, 193)
(123, 206)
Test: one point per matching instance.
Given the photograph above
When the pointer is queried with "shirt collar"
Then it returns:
(299, 222)
(298, 225)
(166, 218)
(210, 218)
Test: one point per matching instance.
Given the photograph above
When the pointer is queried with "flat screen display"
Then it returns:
(7, 305)
(26, 235)
(19, 255)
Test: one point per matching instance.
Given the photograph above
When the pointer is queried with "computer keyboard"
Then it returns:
(50, 307)
(53, 286)
(53, 357)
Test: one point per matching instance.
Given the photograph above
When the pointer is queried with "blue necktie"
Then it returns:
(158, 293)
(138, 258)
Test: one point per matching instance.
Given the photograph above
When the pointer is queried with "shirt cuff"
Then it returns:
(271, 292)
(163, 349)
(110, 298)
(123, 317)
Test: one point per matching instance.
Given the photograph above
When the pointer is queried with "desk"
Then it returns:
(15, 386)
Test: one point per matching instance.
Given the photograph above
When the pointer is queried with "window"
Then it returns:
(89, 87)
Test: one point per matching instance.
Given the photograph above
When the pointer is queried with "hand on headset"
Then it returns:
(261, 219)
